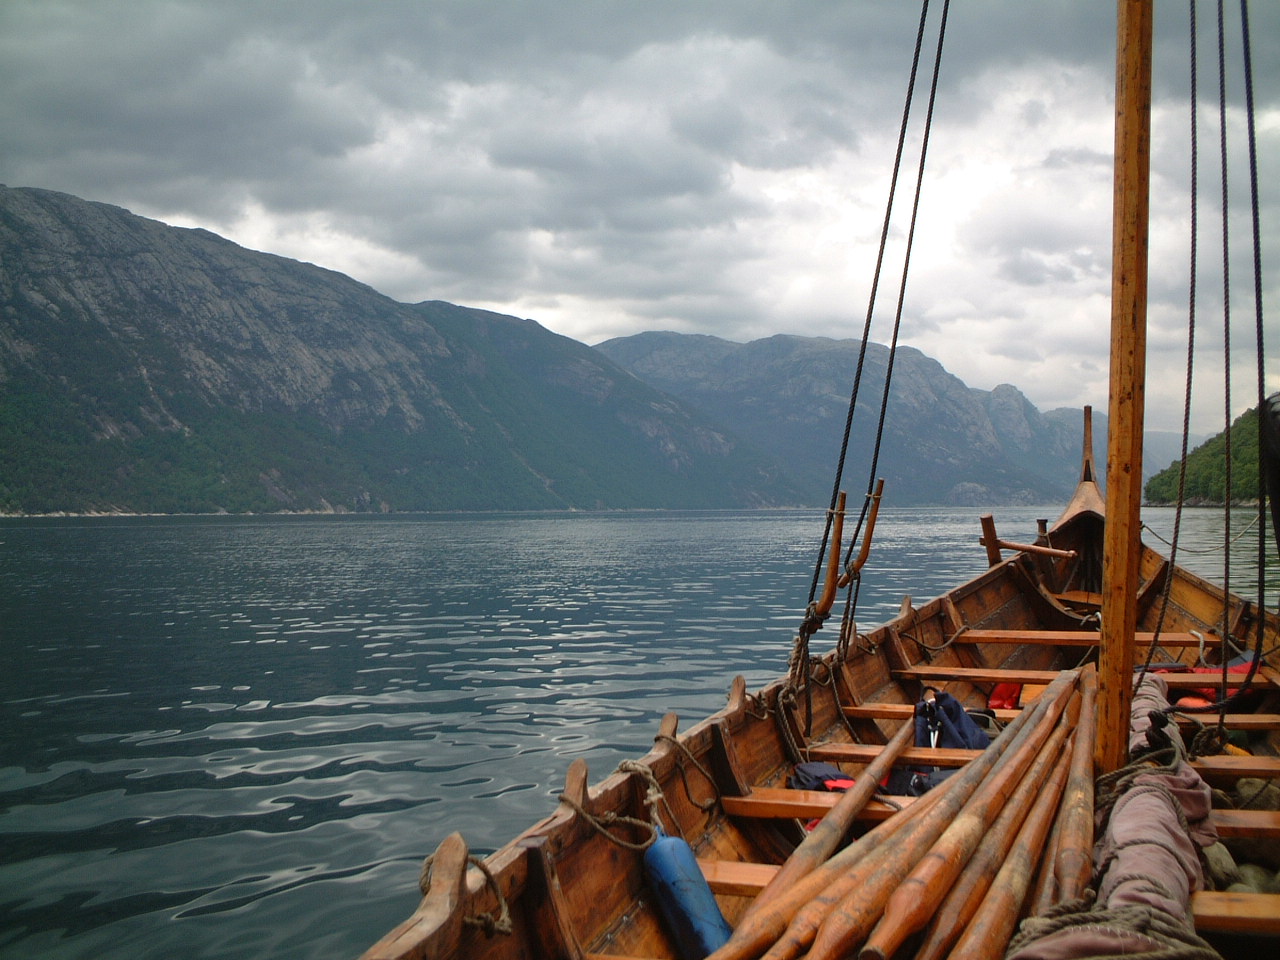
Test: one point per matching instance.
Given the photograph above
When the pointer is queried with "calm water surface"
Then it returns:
(238, 737)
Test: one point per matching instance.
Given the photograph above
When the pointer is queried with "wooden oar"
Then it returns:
(792, 921)
(755, 934)
(914, 898)
(826, 836)
(1073, 865)
(988, 934)
(970, 887)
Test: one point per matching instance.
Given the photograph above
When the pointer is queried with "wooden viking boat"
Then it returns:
(1057, 625)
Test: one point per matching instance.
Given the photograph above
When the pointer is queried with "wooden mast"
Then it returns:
(1121, 539)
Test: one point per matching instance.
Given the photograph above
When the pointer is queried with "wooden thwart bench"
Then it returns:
(781, 803)
(1257, 913)
(1214, 769)
(905, 711)
(1176, 681)
(1079, 638)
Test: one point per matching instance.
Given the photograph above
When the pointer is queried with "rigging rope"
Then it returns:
(1225, 698)
(1226, 344)
(906, 264)
(875, 285)
(1258, 335)
(800, 655)
(1191, 348)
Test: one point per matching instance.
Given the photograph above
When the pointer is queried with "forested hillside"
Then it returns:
(1206, 481)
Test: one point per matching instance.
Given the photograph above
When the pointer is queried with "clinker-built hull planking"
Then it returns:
(572, 890)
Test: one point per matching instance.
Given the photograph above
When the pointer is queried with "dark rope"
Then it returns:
(1247, 44)
(1167, 592)
(1258, 325)
(1226, 347)
(875, 285)
(906, 264)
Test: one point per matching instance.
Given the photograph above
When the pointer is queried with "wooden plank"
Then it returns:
(1078, 638)
(1256, 824)
(779, 802)
(1080, 596)
(1234, 721)
(905, 711)
(1176, 681)
(975, 675)
(1256, 913)
(1213, 911)
(1230, 768)
(737, 879)
(866, 752)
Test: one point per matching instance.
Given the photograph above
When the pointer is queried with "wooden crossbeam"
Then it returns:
(736, 879)
(1214, 769)
(1080, 596)
(1257, 824)
(781, 803)
(1256, 913)
(1176, 681)
(1227, 769)
(905, 711)
(866, 752)
(1078, 638)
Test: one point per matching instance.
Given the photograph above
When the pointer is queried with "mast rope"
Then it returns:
(906, 268)
(875, 286)
(1247, 46)
(1226, 347)
(1206, 551)
(1166, 593)
(871, 304)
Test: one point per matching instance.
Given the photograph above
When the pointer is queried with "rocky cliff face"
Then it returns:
(944, 442)
(145, 367)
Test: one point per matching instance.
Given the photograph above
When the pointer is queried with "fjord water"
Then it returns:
(238, 737)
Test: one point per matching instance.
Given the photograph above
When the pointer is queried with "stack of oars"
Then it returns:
(957, 868)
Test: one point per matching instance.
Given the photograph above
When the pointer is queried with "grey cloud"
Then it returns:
(605, 153)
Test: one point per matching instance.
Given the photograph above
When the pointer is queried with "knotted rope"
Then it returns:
(487, 922)
(653, 798)
(703, 805)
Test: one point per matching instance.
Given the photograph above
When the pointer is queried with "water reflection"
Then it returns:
(238, 737)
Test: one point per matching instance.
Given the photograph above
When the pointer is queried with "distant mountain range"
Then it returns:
(148, 368)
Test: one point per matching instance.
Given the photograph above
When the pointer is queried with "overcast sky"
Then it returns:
(705, 166)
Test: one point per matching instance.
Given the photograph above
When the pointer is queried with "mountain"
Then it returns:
(944, 442)
(148, 368)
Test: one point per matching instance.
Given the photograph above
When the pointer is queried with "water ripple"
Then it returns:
(218, 730)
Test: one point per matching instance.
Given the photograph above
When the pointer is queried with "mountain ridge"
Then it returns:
(149, 368)
(146, 368)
